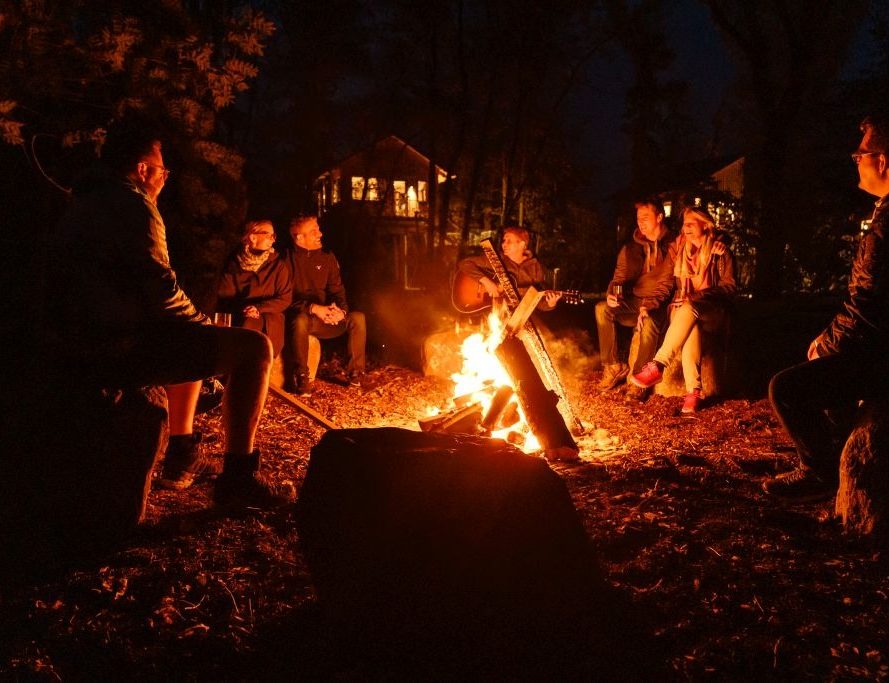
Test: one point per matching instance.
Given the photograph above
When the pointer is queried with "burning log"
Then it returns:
(539, 403)
(461, 420)
(498, 407)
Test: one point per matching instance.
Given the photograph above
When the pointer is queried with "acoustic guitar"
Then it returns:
(468, 295)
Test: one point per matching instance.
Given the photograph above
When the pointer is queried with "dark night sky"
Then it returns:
(701, 59)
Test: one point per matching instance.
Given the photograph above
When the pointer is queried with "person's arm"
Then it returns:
(725, 287)
(335, 290)
(665, 282)
(864, 308)
(147, 259)
(280, 296)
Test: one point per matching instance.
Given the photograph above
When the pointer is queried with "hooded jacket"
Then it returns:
(646, 266)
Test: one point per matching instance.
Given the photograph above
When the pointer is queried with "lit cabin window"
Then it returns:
(697, 201)
(399, 194)
(357, 187)
(421, 191)
(373, 190)
(413, 206)
(668, 209)
(335, 191)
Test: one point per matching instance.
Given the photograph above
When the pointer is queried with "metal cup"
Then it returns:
(618, 291)
(222, 319)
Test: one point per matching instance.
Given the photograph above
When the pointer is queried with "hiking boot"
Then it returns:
(241, 485)
(613, 374)
(799, 485)
(635, 393)
(300, 385)
(692, 402)
(650, 374)
(184, 462)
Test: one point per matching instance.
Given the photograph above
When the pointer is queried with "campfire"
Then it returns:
(502, 392)
(484, 400)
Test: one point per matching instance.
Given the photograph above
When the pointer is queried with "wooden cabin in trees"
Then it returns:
(374, 208)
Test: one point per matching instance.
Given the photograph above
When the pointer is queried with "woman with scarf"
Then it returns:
(256, 285)
(704, 269)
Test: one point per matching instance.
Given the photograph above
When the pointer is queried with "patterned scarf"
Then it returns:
(251, 260)
(692, 267)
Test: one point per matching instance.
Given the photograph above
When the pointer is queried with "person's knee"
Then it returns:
(357, 320)
(255, 348)
(603, 313)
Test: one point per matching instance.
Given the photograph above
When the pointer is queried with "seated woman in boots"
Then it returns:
(704, 269)
(256, 284)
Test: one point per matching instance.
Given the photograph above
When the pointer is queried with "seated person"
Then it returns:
(318, 307)
(637, 295)
(124, 321)
(522, 266)
(255, 286)
(705, 285)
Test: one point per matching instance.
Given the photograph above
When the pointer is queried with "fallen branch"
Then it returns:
(302, 407)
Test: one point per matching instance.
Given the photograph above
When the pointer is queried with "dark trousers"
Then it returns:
(816, 403)
(607, 320)
(301, 325)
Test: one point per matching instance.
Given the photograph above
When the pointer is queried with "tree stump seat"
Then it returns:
(78, 471)
(276, 378)
(862, 501)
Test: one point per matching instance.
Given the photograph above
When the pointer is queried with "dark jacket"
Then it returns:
(269, 289)
(528, 273)
(647, 267)
(111, 269)
(863, 322)
(316, 279)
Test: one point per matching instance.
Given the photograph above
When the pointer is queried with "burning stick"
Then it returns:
(539, 403)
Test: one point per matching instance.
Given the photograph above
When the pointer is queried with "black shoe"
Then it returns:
(301, 386)
(242, 486)
(184, 463)
(799, 485)
(212, 393)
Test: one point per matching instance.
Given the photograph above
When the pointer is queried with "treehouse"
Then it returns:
(374, 208)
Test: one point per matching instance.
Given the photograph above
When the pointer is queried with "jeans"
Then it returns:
(607, 320)
(684, 335)
(301, 325)
(816, 401)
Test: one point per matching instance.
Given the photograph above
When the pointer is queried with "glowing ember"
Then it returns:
(482, 374)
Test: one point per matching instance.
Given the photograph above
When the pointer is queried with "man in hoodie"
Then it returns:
(637, 295)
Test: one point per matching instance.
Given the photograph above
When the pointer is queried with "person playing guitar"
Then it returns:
(474, 287)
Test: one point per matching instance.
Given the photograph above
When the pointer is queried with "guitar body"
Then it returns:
(468, 296)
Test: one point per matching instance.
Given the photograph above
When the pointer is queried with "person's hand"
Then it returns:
(718, 248)
(251, 312)
(335, 315)
(491, 287)
(643, 314)
(612, 301)
(551, 297)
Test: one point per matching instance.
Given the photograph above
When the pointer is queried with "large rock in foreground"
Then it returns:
(454, 549)
(863, 496)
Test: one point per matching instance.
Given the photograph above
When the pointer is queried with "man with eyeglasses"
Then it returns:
(849, 360)
(124, 321)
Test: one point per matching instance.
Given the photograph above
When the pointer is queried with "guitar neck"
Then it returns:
(509, 292)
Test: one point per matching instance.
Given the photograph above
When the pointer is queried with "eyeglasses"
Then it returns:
(857, 156)
(163, 169)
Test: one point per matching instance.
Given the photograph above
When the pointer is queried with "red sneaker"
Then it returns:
(692, 402)
(650, 374)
